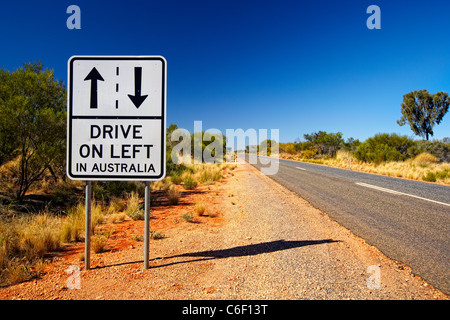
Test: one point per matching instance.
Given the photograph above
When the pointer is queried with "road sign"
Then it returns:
(116, 118)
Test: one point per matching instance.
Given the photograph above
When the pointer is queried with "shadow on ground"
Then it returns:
(254, 249)
(239, 251)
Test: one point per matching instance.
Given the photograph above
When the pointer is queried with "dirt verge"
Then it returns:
(256, 240)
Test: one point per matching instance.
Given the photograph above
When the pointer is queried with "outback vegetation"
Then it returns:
(41, 210)
(388, 154)
(384, 153)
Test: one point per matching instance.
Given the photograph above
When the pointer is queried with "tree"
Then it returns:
(33, 117)
(8, 144)
(290, 148)
(325, 143)
(265, 147)
(423, 110)
(351, 144)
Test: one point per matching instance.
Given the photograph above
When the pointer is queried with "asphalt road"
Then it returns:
(407, 220)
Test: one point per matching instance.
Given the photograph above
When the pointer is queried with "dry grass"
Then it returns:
(8, 172)
(23, 243)
(97, 216)
(205, 173)
(39, 235)
(425, 158)
(98, 244)
(73, 228)
(190, 184)
(156, 235)
(423, 168)
(25, 240)
(208, 173)
(200, 208)
(163, 185)
(409, 169)
(117, 217)
(116, 205)
(174, 196)
(134, 210)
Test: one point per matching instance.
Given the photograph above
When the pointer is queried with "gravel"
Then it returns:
(267, 243)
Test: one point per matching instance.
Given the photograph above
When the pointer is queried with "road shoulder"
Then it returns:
(264, 242)
(338, 269)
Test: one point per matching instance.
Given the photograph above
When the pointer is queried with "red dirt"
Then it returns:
(121, 237)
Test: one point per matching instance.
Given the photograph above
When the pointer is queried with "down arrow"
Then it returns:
(137, 99)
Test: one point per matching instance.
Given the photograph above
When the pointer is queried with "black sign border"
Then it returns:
(71, 117)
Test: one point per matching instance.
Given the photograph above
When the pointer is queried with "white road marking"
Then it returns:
(399, 193)
(301, 168)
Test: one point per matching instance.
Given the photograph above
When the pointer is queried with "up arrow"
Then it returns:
(137, 99)
(94, 76)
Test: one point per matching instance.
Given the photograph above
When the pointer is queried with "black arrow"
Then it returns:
(137, 99)
(94, 76)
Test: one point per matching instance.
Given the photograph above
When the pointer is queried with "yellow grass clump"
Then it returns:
(24, 241)
(134, 209)
(73, 228)
(425, 157)
(200, 208)
(173, 196)
(425, 167)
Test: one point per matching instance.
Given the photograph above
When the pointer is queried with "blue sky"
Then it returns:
(297, 66)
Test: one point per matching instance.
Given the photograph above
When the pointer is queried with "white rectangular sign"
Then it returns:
(116, 116)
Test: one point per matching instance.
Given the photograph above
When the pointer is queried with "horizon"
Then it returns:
(294, 66)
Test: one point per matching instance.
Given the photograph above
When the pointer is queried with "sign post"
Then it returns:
(147, 224)
(116, 124)
(87, 226)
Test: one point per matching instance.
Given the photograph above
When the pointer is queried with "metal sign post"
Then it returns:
(147, 224)
(87, 226)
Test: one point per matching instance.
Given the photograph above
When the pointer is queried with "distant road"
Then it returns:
(407, 220)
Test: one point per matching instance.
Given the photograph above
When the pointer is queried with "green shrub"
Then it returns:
(307, 154)
(384, 147)
(439, 149)
(109, 189)
(176, 179)
(173, 196)
(189, 184)
(63, 194)
(443, 174)
(325, 143)
(290, 148)
(188, 217)
(430, 176)
(156, 235)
